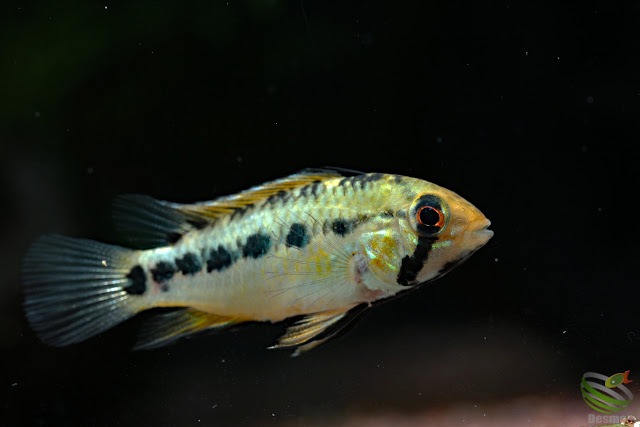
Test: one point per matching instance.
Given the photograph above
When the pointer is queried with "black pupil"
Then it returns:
(429, 216)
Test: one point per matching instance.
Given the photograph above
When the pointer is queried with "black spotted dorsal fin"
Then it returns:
(165, 328)
(317, 328)
(147, 223)
(225, 205)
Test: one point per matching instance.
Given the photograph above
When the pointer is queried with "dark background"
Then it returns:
(527, 109)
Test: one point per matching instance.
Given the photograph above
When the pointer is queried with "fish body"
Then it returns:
(317, 244)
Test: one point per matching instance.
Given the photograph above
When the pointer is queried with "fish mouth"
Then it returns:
(482, 233)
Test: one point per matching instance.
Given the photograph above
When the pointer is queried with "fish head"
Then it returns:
(439, 230)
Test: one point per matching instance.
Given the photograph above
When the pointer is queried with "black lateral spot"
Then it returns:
(189, 264)
(163, 272)
(411, 265)
(387, 214)
(218, 259)
(138, 280)
(298, 236)
(257, 245)
(342, 227)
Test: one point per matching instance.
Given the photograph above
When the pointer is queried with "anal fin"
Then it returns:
(165, 328)
(317, 328)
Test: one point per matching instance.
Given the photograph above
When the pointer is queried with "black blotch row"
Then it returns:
(138, 280)
(411, 265)
(342, 227)
(218, 259)
(189, 264)
(362, 179)
(256, 246)
(163, 272)
(298, 236)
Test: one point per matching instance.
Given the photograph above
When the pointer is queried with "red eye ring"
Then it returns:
(440, 218)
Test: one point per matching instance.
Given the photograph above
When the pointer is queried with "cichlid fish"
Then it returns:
(323, 243)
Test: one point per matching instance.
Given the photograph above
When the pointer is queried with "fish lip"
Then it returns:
(483, 228)
(483, 231)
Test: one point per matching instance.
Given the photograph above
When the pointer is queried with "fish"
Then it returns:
(320, 246)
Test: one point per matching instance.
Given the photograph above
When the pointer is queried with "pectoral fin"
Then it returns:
(315, 329)
(165, 328)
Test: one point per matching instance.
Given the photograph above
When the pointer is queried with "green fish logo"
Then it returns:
(616, 379)
(601, 393)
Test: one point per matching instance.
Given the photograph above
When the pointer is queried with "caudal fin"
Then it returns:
(78, 288)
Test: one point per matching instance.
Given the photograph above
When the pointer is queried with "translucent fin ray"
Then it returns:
(316, 329)
(165, 328)
(71, 304)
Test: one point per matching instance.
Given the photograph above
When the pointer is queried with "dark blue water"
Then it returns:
(528, 110)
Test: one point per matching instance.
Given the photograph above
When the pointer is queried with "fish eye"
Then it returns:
(429, 215)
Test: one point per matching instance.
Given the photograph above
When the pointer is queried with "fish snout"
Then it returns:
(479, 232)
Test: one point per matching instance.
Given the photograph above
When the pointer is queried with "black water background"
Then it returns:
(528, 109)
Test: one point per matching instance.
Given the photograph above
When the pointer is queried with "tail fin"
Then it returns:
(76, 288)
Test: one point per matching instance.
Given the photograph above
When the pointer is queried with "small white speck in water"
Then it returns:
(526, 53)
(104, 262)
(590, 99)
(106, 8)
(439, 140)
(214, 406)
(495, 259)
(14, 384)
(37, 114)
(564, 332)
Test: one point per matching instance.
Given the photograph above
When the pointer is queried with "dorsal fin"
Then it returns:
(146, 222)
(225, 205)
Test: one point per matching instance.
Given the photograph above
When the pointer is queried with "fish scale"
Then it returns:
(322, 243)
